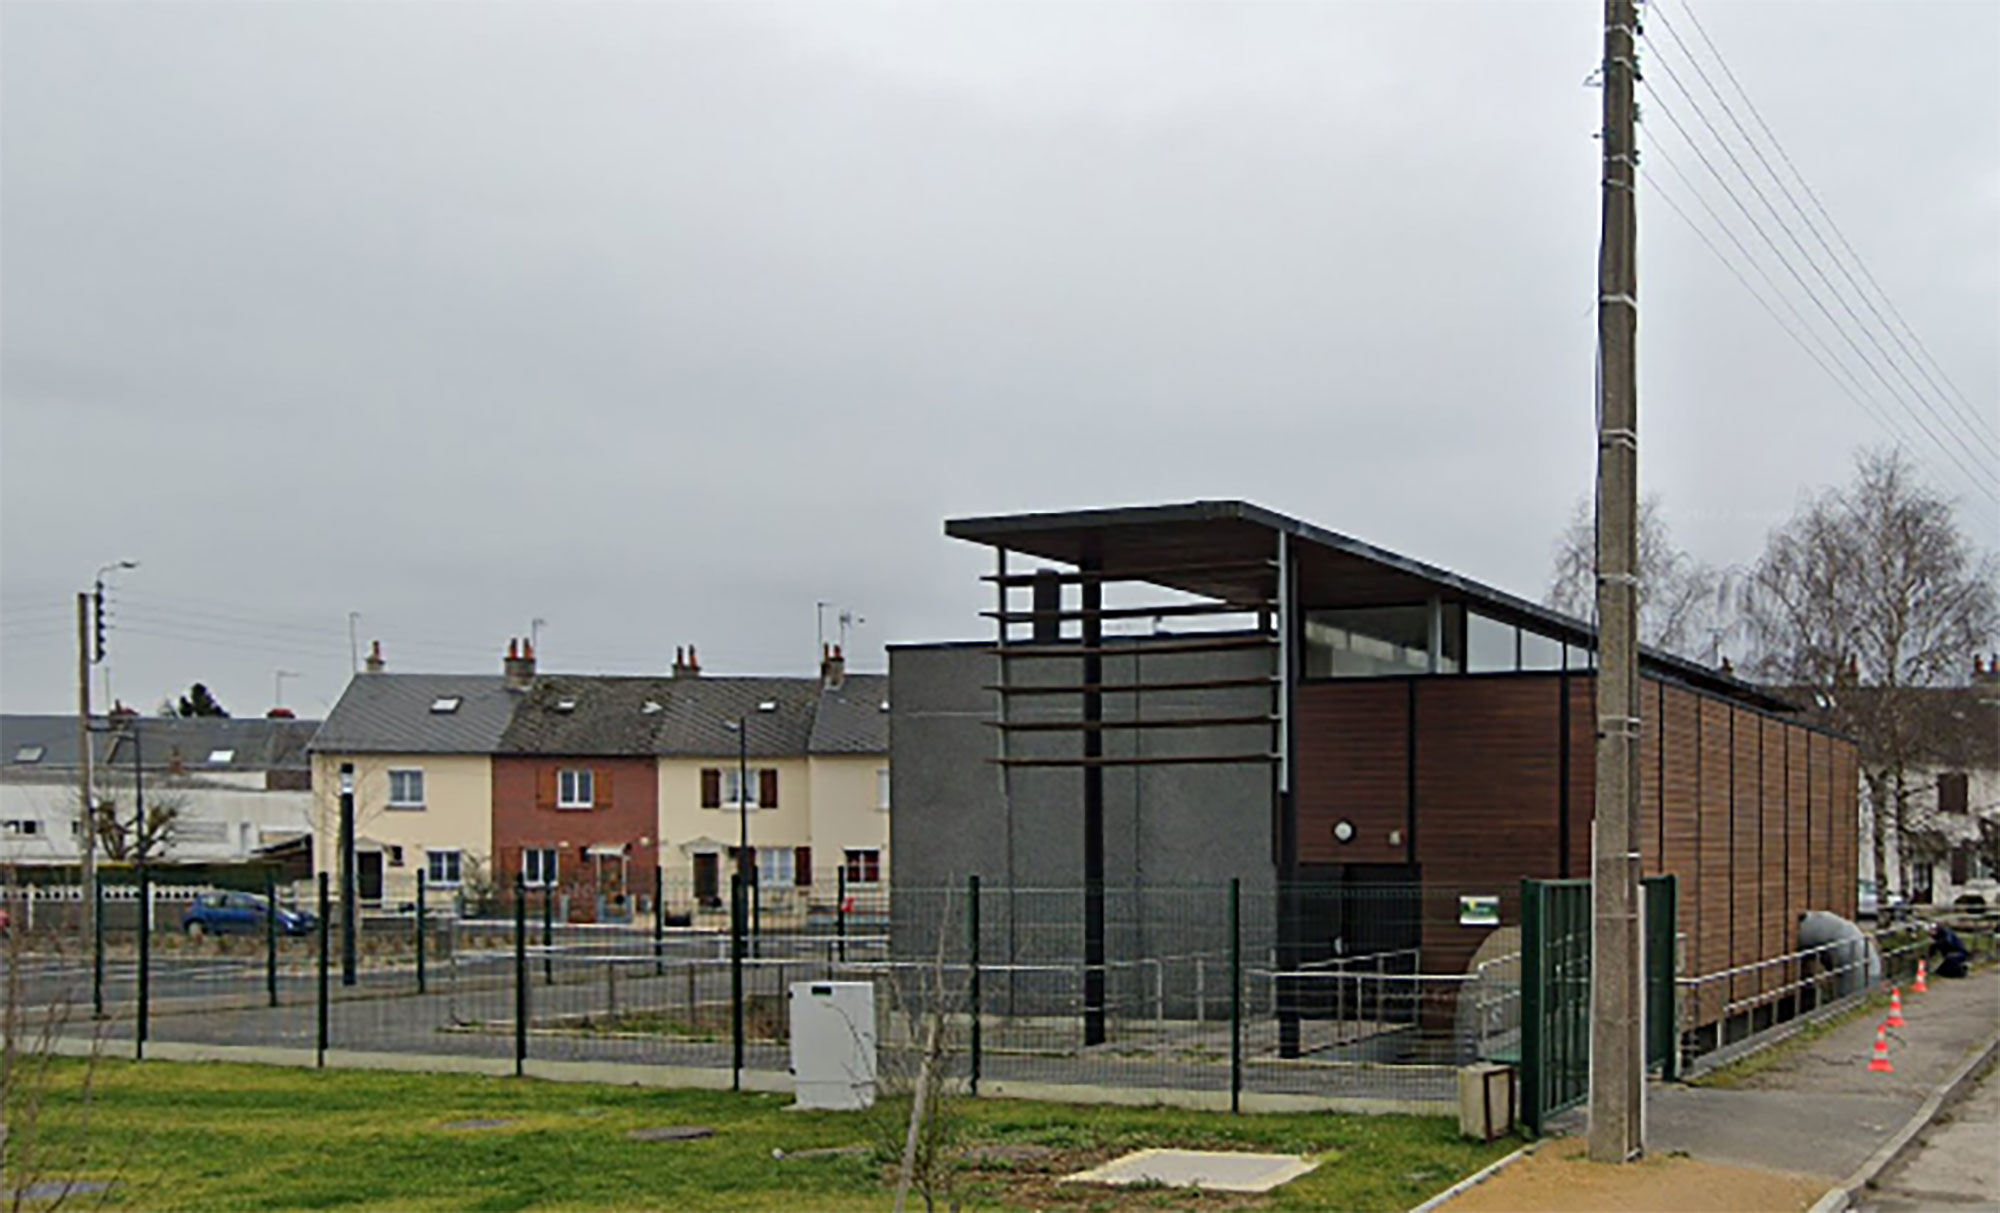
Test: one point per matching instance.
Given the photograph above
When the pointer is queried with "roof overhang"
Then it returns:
(1227, 550)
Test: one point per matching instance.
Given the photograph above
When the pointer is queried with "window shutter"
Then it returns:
(1961, 866)
(1952, 792)
(600, 789)
(711, 788)
(767, 789)
(545, 788)
(802, 860)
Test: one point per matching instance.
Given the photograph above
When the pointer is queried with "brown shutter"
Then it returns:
(545, 788)
(600, 789)
(802, 867)
(767, 788)
(1961, 866)
(1952, 792)
(711, 788)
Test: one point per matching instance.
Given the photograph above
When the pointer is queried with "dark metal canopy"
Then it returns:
(1227, 550)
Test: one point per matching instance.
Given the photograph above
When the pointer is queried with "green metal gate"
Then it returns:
(1555, 991)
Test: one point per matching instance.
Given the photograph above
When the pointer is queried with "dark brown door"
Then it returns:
(368, 875)
(707, 880)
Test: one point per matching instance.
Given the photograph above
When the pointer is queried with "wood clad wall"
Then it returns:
(1754, 815)
(1718, 902)
(1777, 934)
(1488, 790)
(1681, 776)
(1353, 765)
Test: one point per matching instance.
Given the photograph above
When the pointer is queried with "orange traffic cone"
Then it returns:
(1922, 987)
(1880, 1062)
(1895, 1019)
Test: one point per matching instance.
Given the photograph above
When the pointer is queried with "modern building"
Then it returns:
(607, 791)
(1183, 694)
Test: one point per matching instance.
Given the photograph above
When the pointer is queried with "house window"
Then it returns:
(22, 828)
(538, 867)
(776, 867)
(882, 787)
(406, 789)
(720, 788)
(864, 867)
(393, 854)
(442, 867)
(575, 790)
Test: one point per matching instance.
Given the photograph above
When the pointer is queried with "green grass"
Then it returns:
(183, 1136)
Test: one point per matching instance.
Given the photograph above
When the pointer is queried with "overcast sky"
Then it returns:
(662, 322)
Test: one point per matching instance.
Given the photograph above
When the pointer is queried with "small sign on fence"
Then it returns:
(1479, 911)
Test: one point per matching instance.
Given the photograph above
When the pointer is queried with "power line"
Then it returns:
(1694, 146)
(1957, 444)
(1860, 399)
(1977, 423)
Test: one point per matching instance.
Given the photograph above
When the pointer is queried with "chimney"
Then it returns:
(374, 663)
(519, 667)
(281, 714)
(686, 664)
(1986, 673)
(832, 668)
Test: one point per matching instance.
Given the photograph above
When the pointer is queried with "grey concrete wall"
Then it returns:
(1174, 835)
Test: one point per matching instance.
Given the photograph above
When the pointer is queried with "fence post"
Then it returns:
(737, 908)
(1235, 994)
(548, 934)
(841, 909)
(1531, 1007)
(325, 912)
(422, 983)
(659, 919)
(145, 965)
(271, 936)
(972, 949)
(520, 974)
(97, 950)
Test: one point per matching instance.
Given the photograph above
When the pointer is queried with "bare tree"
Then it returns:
(136, 836)
(1684, 603)
(1870, 599)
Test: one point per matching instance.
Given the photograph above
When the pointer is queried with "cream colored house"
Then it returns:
(417, 751)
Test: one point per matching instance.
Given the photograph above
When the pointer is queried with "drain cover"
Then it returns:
(672, 1133)
(1216, 1170)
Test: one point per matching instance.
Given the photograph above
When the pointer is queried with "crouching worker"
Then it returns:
(1950, 951)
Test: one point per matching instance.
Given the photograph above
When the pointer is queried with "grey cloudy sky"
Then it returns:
(664, 321)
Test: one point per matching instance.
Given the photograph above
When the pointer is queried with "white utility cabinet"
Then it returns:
(833, 1044)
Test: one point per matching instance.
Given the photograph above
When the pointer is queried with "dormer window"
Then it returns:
(221, 758)
(444, 705)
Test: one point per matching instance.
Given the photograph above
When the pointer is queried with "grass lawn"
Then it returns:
(184, 1136)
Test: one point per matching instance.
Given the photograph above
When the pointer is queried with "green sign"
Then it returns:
(1479, 911)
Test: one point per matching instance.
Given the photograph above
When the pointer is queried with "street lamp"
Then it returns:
(739, 892)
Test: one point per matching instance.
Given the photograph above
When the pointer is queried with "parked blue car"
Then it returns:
(241, 914)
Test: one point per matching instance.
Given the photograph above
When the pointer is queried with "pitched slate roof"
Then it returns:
(697, 709)
(853, 719)
(253, 743)
(587, 715)
(55, 735)
(391, 714)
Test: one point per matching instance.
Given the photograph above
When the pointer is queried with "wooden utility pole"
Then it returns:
(1617, 1047)
(85, 797)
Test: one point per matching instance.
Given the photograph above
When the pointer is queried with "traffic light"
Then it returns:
(97, 616)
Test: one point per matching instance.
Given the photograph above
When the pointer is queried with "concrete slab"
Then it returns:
(1955, 1163)
(1221, 1171)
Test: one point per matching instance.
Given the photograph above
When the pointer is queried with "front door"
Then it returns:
(368, 875)
(707, 881)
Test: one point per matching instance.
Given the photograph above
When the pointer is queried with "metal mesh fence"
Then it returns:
(1367, 994)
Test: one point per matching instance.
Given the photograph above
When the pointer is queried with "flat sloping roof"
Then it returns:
(1227, 550)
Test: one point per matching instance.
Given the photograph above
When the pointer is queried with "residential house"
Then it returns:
(235, 786)
(417, 751)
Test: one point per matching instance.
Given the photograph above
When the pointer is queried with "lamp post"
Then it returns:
(745, 870)
(739, 893)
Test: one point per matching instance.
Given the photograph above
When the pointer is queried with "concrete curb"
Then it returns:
(1842, 1196)
(1476, 1178)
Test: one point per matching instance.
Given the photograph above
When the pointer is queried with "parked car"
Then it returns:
(1870, 905)
(241, 914)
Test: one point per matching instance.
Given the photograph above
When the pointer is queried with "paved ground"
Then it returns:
(1954, 1165)
(1805, 1123)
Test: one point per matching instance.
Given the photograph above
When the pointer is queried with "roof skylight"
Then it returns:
(221, 758)
(29, 753)
(769, 705)
(565, 705)
(445, 704)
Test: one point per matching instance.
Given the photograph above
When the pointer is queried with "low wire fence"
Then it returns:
(1363, 996)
